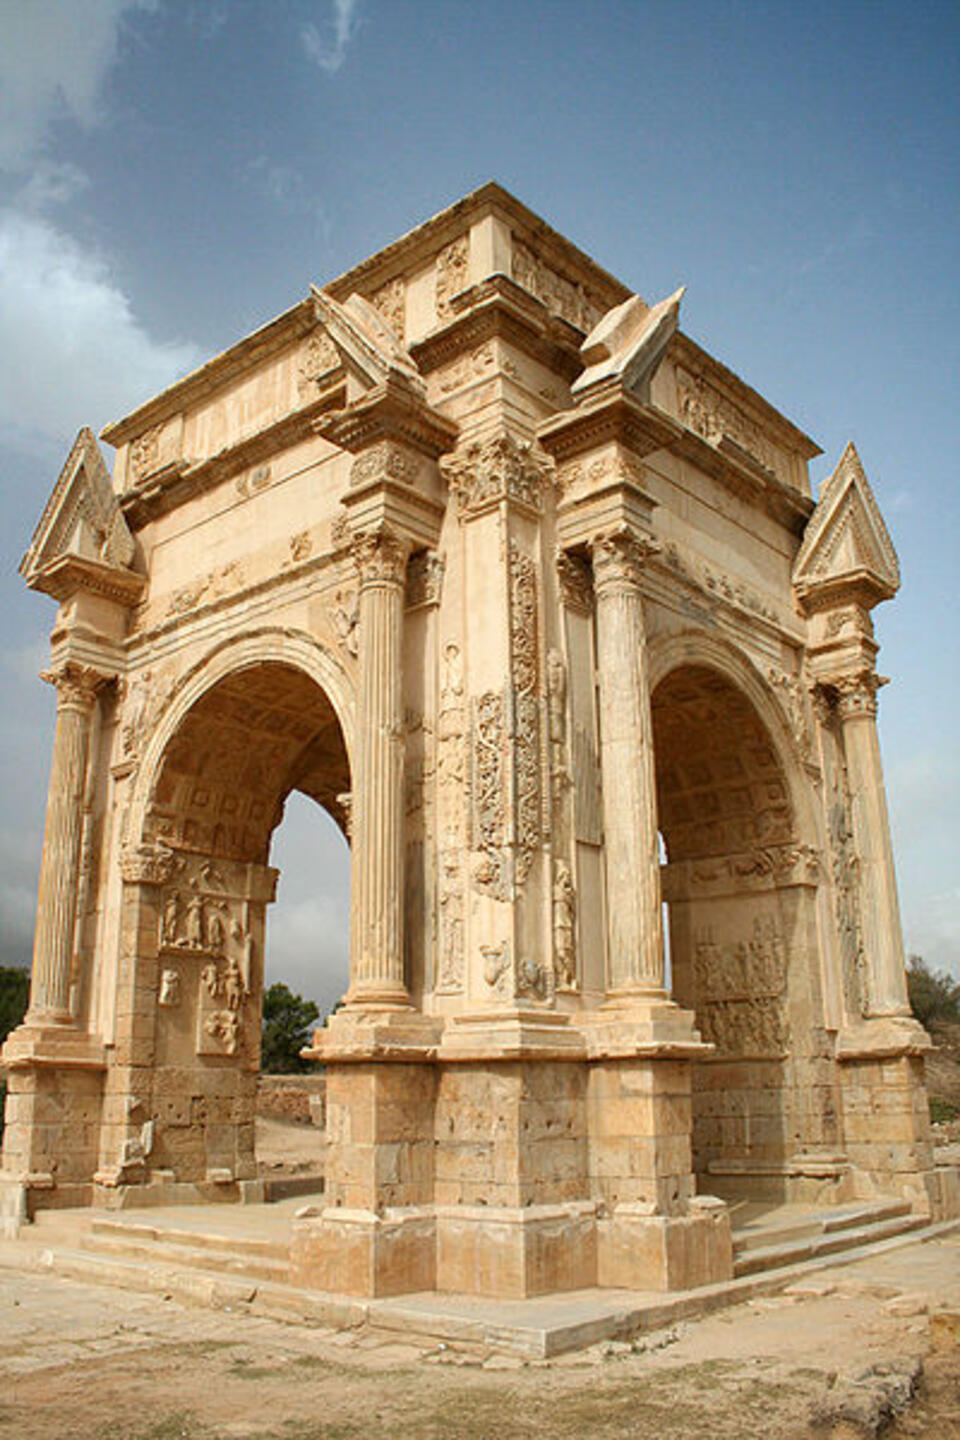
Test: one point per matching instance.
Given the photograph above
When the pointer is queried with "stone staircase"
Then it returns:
(769, 1240)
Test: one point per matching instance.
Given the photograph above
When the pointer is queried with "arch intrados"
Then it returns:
(295, 650)
(668, 654)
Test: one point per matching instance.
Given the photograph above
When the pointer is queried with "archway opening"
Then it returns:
(737, 929)
(261, 734)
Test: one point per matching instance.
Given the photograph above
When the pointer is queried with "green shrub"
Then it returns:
(934, 995)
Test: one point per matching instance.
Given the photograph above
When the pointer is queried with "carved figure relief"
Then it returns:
(564, 927)
(563, 297)
(710, 414)
(450, 978)
(169, 993)
(576, 583)
(497, 968)
(740, 991)
(345, 614)
(794, 699)
(145, 453)
(390, 301)
(143, 700)
(451, 274)
(208, 587)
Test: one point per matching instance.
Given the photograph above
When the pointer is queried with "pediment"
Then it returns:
(369, 349)
(846, 541)
(82, 527)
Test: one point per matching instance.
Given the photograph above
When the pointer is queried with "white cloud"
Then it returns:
(54, 57)
(71, 350)
(328, 48)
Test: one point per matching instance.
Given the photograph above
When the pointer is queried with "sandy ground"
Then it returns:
(288, 1147)
(844, 1350)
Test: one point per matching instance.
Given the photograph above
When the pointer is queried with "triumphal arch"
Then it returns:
(485, 555)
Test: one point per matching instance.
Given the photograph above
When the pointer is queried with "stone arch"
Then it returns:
(736, 814)
(295, 648)
(251, 721)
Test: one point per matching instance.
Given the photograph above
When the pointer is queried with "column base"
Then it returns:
(640, 1250)
(357, 1252)
(511, 1252)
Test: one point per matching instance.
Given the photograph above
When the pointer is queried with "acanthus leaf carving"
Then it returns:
(501, 468)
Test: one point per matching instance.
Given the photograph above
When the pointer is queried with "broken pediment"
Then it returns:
(371, 352)
(846, 547)
(82, 540)
(627, 345)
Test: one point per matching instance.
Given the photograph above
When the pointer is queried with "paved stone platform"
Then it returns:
(231, 1258)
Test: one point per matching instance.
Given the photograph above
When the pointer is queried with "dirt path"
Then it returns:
(99, 1364)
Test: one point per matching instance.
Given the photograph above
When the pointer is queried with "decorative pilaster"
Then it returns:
(59, 872)
(376, 961)
(856, 708)
(635, 928)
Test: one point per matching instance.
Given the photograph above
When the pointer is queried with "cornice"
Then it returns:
(276, 335)
(63, 577)
(392, 411)
(743, 476)
(498, 308)
(611, 414)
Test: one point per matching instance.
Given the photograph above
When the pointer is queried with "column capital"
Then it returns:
(380, 557)
(619, 557)
(76, 685)
(856, 694)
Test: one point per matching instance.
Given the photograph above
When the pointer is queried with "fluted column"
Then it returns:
(856, 705)
(59, 870)
(634, 923)
(376, 946)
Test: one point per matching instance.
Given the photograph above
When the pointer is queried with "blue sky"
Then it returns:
(174, 173)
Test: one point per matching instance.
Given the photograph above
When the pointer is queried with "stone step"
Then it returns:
(807, 1227)
(249, 1266)
(142, 1231)
(791, 1252)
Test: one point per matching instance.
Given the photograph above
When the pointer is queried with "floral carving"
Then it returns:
(424, 579)
(318, 358)
(846, 890)
(576, 583)
(380, 557)
(501, 468)
(384, 461)
(489, 820)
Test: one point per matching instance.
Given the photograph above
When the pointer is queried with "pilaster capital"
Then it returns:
(498, 468)
(619, 557)
(77, 685)
(380, 557)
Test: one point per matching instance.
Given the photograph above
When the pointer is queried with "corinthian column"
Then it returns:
(376, 936)
(634, 925)
(879, 908)
(59, 868)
